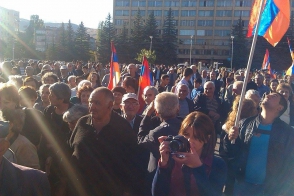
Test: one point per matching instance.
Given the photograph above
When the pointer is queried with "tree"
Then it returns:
(123, 45)
(240, 45)
(82, 43)
(51, 53)
(70, 46)
(169, 40)
(150, 55)
(61, 44)
(137, 35)
(106, 35)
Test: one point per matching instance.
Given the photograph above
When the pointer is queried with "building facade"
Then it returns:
(204, 26)
(9, 21)
(45, 37)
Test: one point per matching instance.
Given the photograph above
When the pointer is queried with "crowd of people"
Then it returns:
(64, 133)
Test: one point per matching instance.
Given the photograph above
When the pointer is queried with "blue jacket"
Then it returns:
(279, 172)
(208, 185)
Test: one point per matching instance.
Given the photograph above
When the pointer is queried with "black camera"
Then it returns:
(178, 143)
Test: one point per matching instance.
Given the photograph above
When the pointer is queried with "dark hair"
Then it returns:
(198, 80)
(49, 74)
(132, 82)
(61, 91)
(119, 89)
(203, 130)
(30, 79)
(274, 80)
(98, 78)
(164, 76)
(285, 86)
(188, 72)
(283, 102)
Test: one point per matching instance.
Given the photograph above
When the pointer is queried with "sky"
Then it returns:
(91, 12)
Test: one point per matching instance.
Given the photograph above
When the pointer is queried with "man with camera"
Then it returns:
(262, 155)
(16, 179)
(166, 105)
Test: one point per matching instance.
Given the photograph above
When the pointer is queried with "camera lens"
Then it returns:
(175, 146)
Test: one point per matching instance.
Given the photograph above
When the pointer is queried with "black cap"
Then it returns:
(4, 129)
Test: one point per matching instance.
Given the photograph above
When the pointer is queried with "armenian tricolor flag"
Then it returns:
(114, 75)
(290, 48)
(274, 22)
(144, 81)
(266, 60)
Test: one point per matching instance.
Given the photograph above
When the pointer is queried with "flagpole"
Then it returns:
(248, 68)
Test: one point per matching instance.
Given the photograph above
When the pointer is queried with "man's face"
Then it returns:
(49, 80)
(29, 71)
(194, 69)
(99, 106)
(183, 92)
(209, 90)
(204, 74)
(132, 69)
(130, 107)
(165, 81)
(63, 72)
(70, 66)
(72, 82)
(272, 101)
(45, 94)
(258, 80)
(149, 96)
(212, 75)
(85, 70)
(7, 103)
(53, 99)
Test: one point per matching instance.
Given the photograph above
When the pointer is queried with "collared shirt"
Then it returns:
(131, 121)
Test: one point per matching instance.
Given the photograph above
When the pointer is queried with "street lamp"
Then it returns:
(151, 37)
(191, 48)
(232, 37)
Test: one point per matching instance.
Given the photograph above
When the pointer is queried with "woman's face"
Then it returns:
(285, 92)
(49, 80)
(94, 78)
(85, 98)
(189, 135)
(274, 86)
(117, 97)
(45, 94)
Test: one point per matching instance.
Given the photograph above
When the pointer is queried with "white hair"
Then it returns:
(251, 92)
(83, 82)
(166, 104)
(209, 82)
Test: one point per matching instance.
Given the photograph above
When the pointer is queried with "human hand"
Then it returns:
(164, 151)
(191, 159)
(233, 133)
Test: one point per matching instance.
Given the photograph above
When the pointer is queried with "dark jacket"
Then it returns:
(149, 138)
(279, 172)
(190, 105)
(210, 181)
(16, 180)
(291, 113)
(106, 161)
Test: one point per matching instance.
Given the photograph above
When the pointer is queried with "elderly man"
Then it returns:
(166, 106)
(63, 74)
(132, 71)
(130, 107)
(105, 149)
(149, 94)
(70, 68)
(195, 73)
(228, 91)
(16, 179)
(186, 105)
(217, 83)
(261, 88)
(209, 104)
(263, 151)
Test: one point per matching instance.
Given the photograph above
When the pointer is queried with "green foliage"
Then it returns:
(241, 51)
(122, 46)
(150, 55)
(70, 46)
(82, 46)
(106, 35)
(169, 40)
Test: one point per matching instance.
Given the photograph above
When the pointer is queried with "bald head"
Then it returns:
(105, 91)
(237, 87)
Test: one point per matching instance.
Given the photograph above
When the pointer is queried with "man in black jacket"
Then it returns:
(263, 151)
(166, 106)
(105, 149)
(186, 105)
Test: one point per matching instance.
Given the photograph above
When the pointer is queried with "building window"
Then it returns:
(205, 13)
(244, 22)
(224, 3)
(158, 22)
(244, 13)
(154, 3)
(200, 42)
(205, 23)
(174, 13)
(171, 3)
(156, 12)
(225, 13)
(204, 33)
(221, 42)
(121, 12)
(189, 3)
(188, 13)
(221, 23)
(125, 3)
(184, 51)
(187, 32)
(134, 12)
(222, 33)
(138, 3)
(187, 23)
(206, 3)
